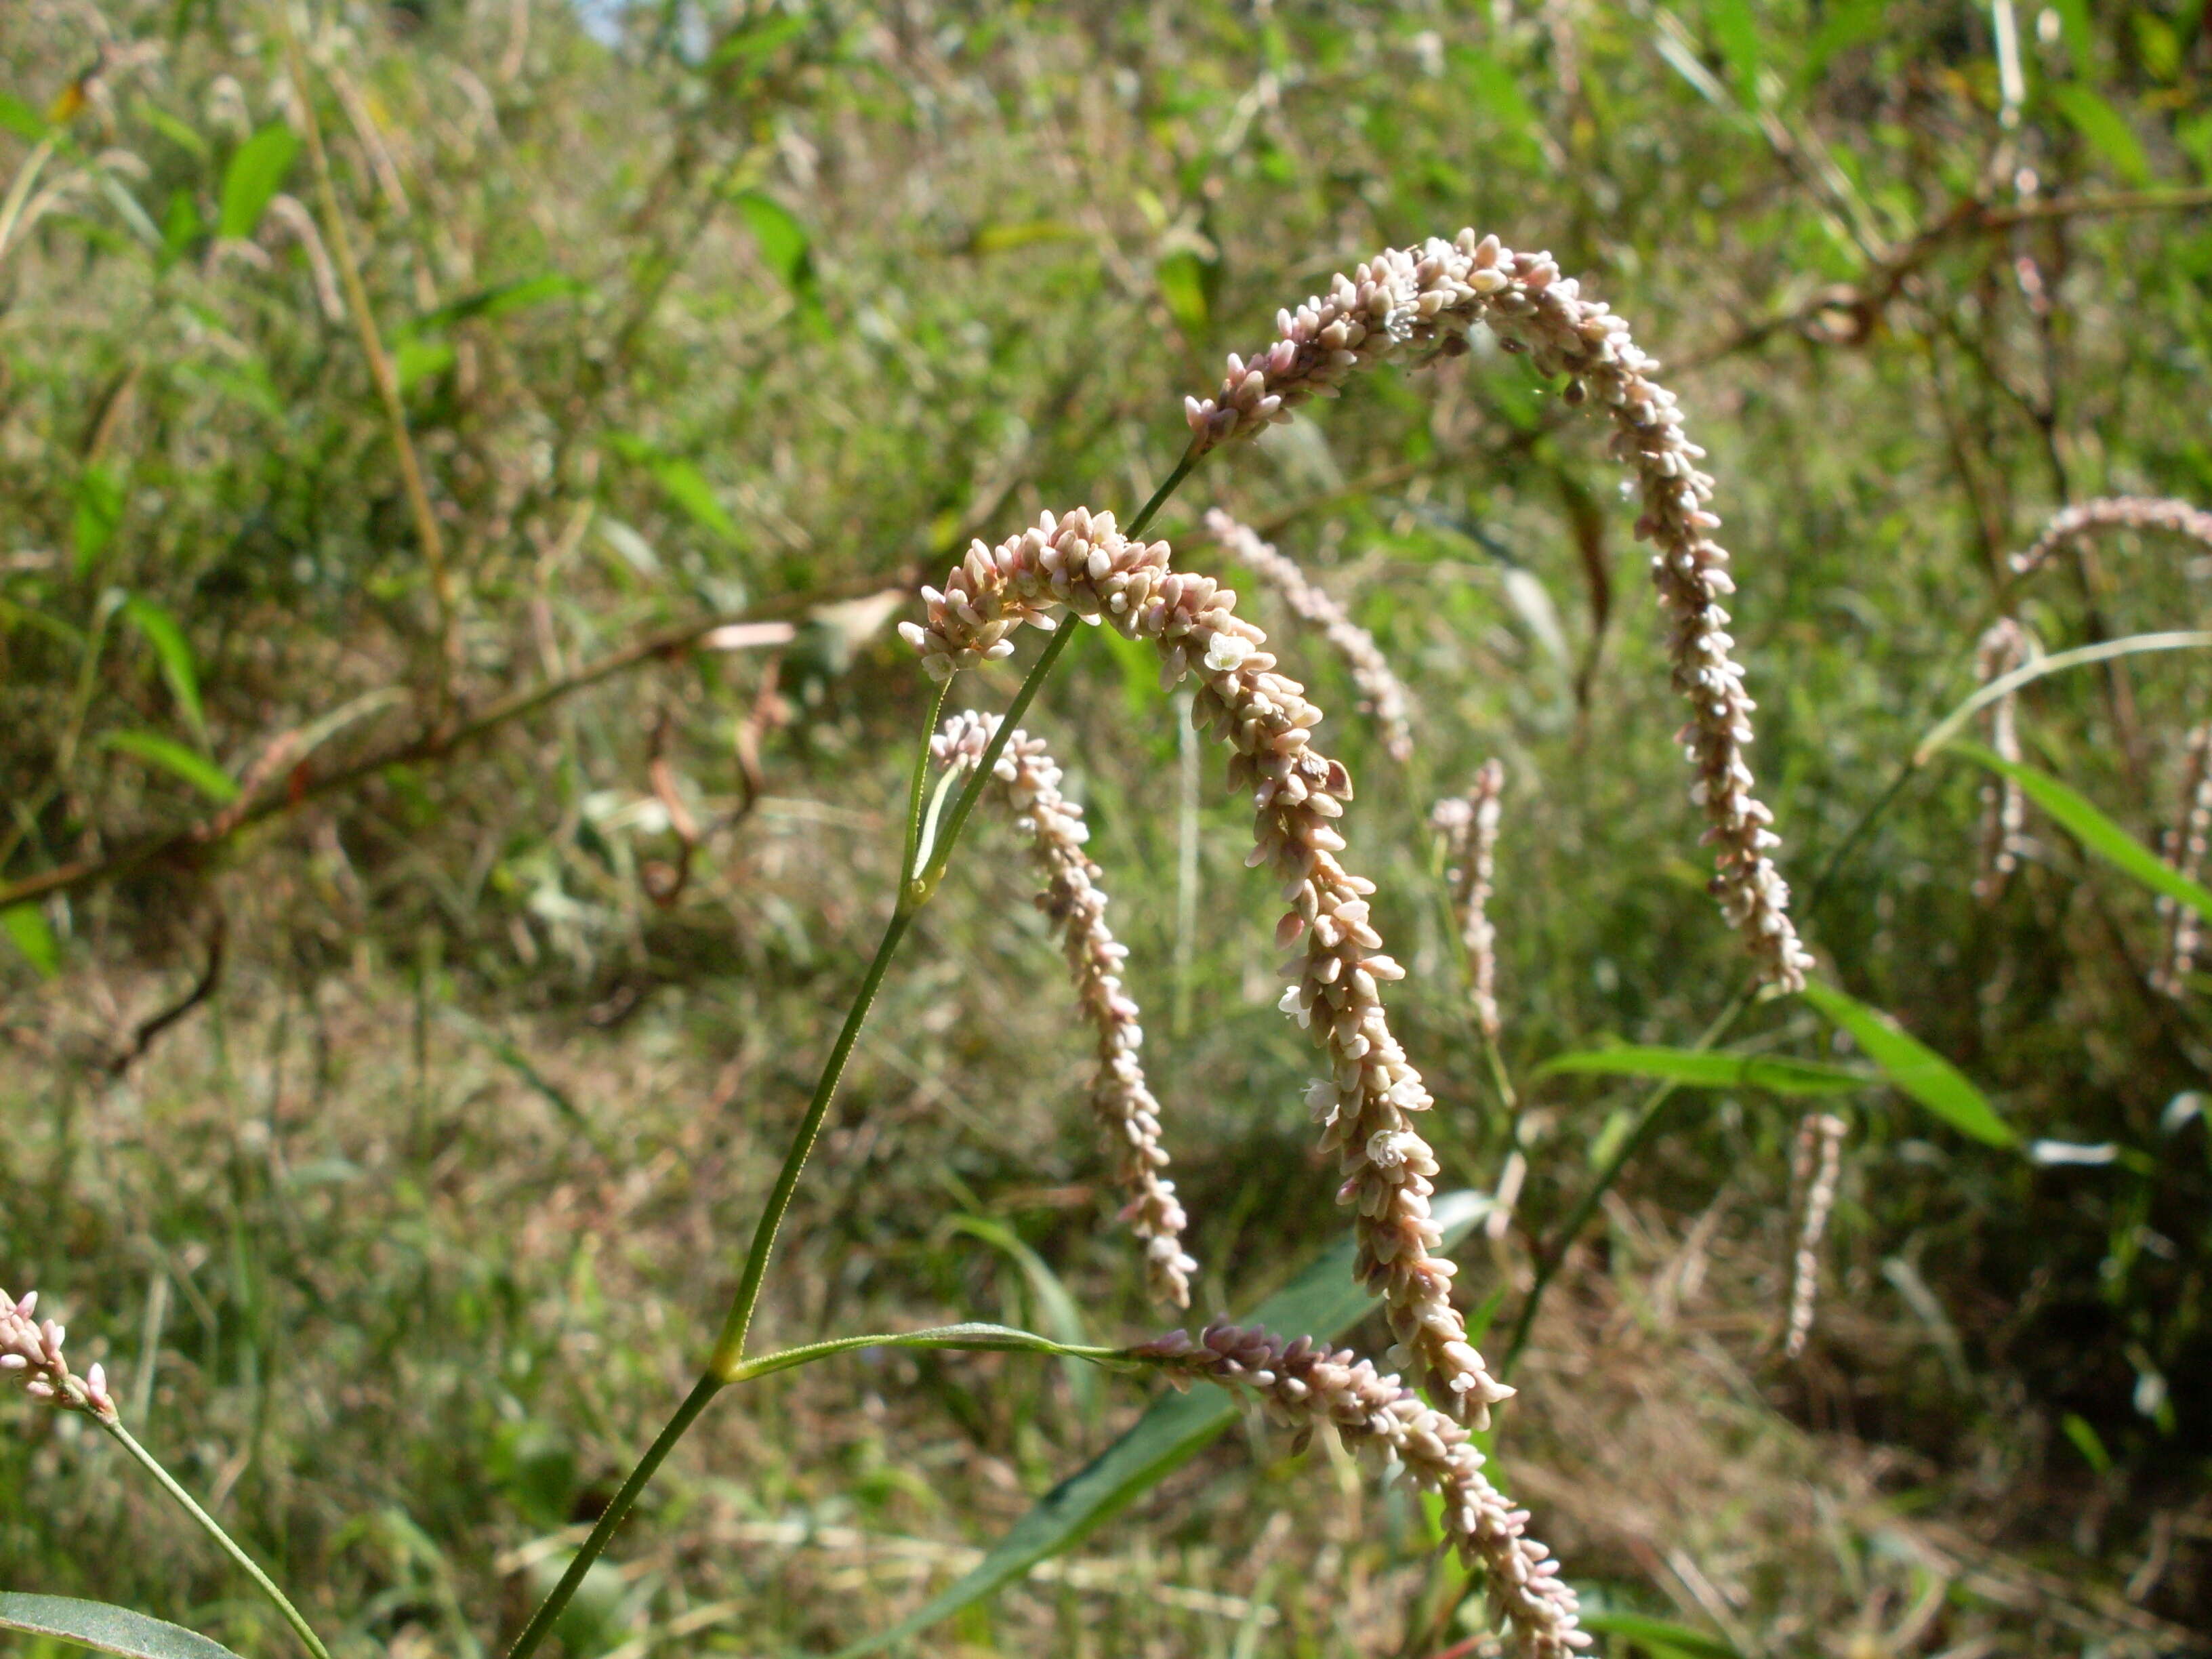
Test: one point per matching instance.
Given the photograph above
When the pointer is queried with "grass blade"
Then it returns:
(1913, 1068)
(196, 770)
(1703, 1069)
(1321, 1301)
(2097, 833)
(105, 1627)
(254, 176)
(175, 655)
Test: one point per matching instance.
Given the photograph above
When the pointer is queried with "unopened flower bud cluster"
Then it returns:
(1367, 1101)
(1382, 693)
(1027, 781)
(1468, 825)
(2114, 513)
(1418, 304)
(1303, 1385)
(31, 1354)
(2002, 648)
(2184, 850)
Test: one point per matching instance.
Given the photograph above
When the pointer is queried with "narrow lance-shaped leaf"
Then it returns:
(1697, 1068)
(104, 1628)
(26, 926)
(196, 770)
(1914, 1068)
(2097, 834)
(174, 653)
(254, 176)
(1658, 1635)
(1323, 1301)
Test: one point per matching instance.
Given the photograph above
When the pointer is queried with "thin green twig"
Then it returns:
(213, 1528)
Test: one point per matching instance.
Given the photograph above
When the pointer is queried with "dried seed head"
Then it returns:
(1366, 1100)
(1303, 1385)
(2004, 808)
(1026, 781)
(2184, 846)
(2114, 513)
(1418, 304)
(1383, 694)
(1468, 825)
(31, 1354)
(1815, 1167)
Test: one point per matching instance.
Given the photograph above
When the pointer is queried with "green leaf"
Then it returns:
(682, 483)
(1181, 277)
(498, 301)
(755, 41)
(1324, 1300)
(971, 1338)
(1658, 1635)
(26, 926)
(783, 241)
(98, 512)
(106, 1628)
(2104, 130)
(418, 360)
(2088, 1443)
(1735, 31)
(254, 176)
(181, 226)
(175, 654)
(1776, 1074)
(20, 119)
(1913, 1068)
(1056, 1308)
(203, 774)
(1846, 25)
(2097, 833)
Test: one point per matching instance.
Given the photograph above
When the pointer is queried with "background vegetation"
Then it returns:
(401, 1236)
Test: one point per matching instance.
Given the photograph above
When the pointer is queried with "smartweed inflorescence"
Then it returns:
(1418, 304)
(1468, 825)
(1082, 564)
(1027, 781)
(31, 1352)
(2176, 518)
(2002, 648)
(1306, 1386)
(2185, 848)
(1816, 1167)
(1383, 694)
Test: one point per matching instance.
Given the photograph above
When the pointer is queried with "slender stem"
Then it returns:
(1168, 487)
(542, 1622)
(727, 1362)
(214, 1529)
(730, 1347)
(379, 364)
(1646, 1124)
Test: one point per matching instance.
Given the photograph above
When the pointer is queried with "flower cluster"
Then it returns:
(1365, 1103)
(2004, 808)
(1468, 825)
(31, 1352)
(2185, 848)
(1384, 693)
(1027, 779)
(1304, 1385)
(2114, 513)
(1418, 303)
(1815, 1168)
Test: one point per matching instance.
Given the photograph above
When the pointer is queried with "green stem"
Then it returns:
(542, 1622)
(730, 1347)
(1168, 487)
(727, 1362)
(1646, 1124)
(214, 1529)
